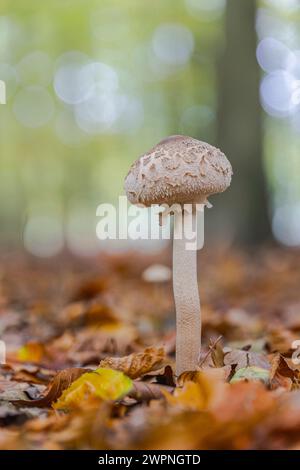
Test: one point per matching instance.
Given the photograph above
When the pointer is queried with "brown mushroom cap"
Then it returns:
(178, 169)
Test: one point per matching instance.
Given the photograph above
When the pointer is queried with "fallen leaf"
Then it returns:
(217, 355)
(112, 338)
(31, 352)
(241, 359)
(137, 364)
(245, 402)
(56, 387)
(26, 373)
(281, 373)
(280, 364)
(10, 390)
(197, 390)
(143, 391)
(200, 376)
(90, 288)
(281, 340)
(166, 377)
(73, 430)
(104, 384)
(251, 373)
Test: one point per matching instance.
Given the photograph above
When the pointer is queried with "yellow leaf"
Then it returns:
(189, 397)
(200, 391)
(137, 364)
(104, 384)
(60, 382)
(31, 352)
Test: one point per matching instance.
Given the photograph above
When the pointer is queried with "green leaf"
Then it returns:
(251, 373)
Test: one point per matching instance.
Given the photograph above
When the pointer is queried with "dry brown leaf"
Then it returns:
(166, 377)
(74, 430)
(137, 364)
(60, 383)
(90, 289)
(244, 401)
(217, 355)
(280, 340)
(26, 373)
(219, 373)
(242, 359)
(144, 391)
(281, 375)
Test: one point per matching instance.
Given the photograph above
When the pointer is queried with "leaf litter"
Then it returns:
(90, 354)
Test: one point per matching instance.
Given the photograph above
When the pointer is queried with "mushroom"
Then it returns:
(157, 273)
(181, 170)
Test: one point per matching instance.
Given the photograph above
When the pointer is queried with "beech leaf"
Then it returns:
(143, 391)
(60, 382)
(137, 364)
(252, 373)
(242, 359)
(31, 352)
(197, 390)
(104, 384)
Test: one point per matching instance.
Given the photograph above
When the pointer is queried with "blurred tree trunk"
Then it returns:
(240, 126)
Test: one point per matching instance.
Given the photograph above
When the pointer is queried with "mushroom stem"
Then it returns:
(187, 302)
(200, 227)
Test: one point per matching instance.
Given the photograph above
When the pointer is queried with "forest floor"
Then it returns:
(90, 354)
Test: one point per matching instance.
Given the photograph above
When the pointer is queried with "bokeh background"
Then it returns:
(93, 84)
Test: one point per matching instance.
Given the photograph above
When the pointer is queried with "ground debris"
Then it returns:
(90, 354)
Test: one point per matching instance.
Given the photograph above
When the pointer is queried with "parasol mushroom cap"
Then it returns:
(178, 169)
